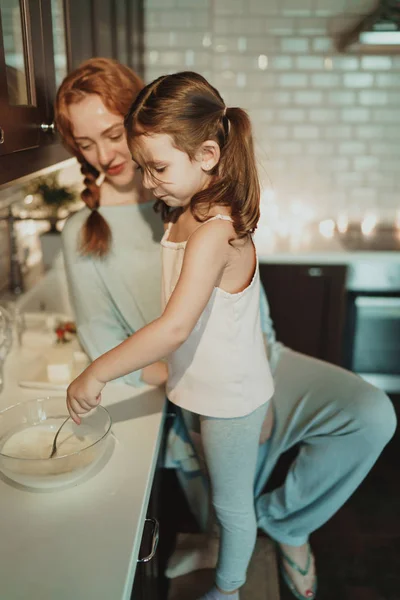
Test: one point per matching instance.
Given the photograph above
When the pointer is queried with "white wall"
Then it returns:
(327, 126)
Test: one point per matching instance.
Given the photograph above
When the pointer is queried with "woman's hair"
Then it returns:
(186, 107)
(117, 87)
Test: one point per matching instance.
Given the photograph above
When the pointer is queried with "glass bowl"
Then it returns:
(27, 431)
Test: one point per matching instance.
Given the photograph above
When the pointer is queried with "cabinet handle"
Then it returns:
(48, 128)
(154, 543)
(1, 135)
(315, 272)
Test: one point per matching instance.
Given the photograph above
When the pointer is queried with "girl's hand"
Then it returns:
(83, 394)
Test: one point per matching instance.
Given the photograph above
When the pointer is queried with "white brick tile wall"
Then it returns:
(365, 163)
(330, 120)
(373, 97)
(321, 44)
(387, 80)
(325, 80)
(293, 44)
(306, 132)
(351, 148)
(323, 115)
(342, 98)
(355, 115)
(358, 80)
(308, 98)
(376, 63)
(346, 63)
(339, 132)
(293, 115)
(314, 63)
(295, 80)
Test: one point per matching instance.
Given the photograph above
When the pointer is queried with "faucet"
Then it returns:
(16, 282)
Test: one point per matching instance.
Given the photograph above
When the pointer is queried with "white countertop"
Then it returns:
(82, 543)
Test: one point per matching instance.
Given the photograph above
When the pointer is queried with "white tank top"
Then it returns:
(222, 369)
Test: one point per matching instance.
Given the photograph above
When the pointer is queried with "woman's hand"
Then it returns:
(155, 374)
(83, 394)
(268, 424)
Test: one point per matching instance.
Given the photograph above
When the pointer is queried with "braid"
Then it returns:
(91, 193)
(96, 234)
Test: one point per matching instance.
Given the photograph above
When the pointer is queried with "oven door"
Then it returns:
(372, 339)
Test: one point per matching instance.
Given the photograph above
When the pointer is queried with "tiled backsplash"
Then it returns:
(327, 125)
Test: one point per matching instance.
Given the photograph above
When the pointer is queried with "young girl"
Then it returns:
(197, 159)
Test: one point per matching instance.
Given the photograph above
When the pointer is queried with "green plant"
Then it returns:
(52, 194)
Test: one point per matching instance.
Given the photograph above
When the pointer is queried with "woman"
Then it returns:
(111, 247)
(112, 259)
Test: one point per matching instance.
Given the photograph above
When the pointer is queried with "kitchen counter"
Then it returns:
(82, 543)
(309, 246)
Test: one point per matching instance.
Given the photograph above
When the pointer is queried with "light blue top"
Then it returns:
(115, 296)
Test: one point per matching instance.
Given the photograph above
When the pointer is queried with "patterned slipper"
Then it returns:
(303, 572)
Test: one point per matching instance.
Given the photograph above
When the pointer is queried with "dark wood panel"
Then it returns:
(307, 307)
(136, 36)
(20, 164)
(79, 17)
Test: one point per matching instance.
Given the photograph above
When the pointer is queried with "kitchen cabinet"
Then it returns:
(146, 583)
(307, 304)
(40, 42)
(150, 582)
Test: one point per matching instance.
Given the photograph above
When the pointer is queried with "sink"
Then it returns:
(50, 295)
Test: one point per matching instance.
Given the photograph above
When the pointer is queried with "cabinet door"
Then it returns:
(33, 65)
(23, 102)
(307, 307)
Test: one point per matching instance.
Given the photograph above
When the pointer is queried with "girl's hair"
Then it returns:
(186, 107)
(117, 87)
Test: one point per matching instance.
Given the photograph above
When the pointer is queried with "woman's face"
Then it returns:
(100, 136)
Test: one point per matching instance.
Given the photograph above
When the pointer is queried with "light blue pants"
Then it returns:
(230, 449)
(341, 424)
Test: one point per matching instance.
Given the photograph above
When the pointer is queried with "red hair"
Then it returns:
(117, 86)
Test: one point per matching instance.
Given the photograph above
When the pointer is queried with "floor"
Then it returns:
(358, 550)
(262, 578)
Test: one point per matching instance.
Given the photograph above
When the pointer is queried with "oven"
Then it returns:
(372, 328)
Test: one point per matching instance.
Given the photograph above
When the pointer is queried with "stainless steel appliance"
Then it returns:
(372, 329)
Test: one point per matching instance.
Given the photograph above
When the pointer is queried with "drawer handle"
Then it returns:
(315, 272)
(154, 543)
(1, 135)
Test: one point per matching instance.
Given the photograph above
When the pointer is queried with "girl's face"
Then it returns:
(100, 136)
(170, 174)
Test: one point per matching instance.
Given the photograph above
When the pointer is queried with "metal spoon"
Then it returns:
(54, 447)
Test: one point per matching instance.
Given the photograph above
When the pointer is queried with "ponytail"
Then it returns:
(235, 180)
(238, 172)
(96, 234)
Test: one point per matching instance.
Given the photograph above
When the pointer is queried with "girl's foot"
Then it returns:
(298, 570)
(216, 594)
